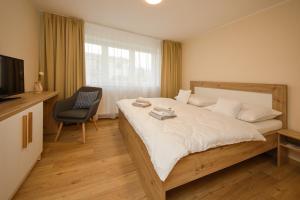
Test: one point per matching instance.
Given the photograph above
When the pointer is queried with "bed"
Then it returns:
(197, 165)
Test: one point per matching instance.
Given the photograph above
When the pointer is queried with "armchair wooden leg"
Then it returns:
(83, 133)
(59, 131)
(95, 123)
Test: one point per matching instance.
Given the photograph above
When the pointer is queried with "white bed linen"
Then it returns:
(268, 125)
(193, 130)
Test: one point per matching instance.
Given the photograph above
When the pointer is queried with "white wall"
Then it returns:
(19, 35)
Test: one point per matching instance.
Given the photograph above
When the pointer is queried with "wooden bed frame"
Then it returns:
(200, 164)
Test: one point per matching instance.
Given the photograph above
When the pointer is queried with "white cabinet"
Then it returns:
(21, 144)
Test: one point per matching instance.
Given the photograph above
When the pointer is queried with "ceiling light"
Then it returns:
(153, 2)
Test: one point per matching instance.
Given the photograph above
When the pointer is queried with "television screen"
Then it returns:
(11, 76)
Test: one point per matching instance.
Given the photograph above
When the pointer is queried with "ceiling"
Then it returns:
(172, 19)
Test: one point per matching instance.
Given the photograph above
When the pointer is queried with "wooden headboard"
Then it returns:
(279, 93)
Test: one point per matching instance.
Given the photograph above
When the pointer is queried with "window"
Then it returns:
(93, 49)
(123, 64)
(143, 60)
(118, 53)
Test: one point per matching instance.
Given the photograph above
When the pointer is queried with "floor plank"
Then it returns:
(102, 169)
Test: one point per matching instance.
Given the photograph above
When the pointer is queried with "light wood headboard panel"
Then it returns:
(279, 92)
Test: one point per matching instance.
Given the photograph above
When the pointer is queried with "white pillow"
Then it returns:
(254, 113)
(227, 107)
(201, 101)
(183, 96)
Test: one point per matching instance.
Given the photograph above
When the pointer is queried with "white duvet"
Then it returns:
(193, 130)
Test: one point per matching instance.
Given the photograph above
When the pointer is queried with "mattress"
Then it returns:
(268, 125)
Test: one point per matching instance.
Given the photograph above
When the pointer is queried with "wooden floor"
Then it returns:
(102, 169)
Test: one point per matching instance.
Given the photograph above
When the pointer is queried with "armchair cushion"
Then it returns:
(75, 113)
(85, 99)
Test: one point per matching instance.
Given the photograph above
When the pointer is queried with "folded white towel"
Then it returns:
(163, 109)
(160, 117)
(163, 113)
(143, 105)
(142, 100)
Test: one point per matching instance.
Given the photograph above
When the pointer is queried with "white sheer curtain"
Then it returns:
(125, 65)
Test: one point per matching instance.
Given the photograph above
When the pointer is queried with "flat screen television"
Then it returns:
(11, 76)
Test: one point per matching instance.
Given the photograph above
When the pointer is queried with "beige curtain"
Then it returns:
(171, 68)
(62, 54)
